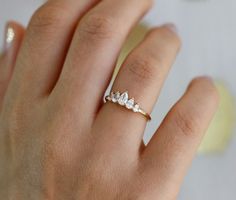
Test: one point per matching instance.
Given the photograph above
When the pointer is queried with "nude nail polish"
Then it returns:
(9, 37)
(171, 26)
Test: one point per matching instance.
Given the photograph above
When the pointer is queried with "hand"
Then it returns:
(59, 141)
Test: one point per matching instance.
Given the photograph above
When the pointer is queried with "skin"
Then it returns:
(59, 141)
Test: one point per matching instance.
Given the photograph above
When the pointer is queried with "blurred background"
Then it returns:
(208, 32)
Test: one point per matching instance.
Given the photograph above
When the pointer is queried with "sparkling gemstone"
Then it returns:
(136, 108)
(123, 98)
(129, 104)
(115, 97)
(111, 95)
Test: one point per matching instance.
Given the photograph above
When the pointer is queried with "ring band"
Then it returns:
(123, 100)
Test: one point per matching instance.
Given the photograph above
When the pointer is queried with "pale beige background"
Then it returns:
(208, 29)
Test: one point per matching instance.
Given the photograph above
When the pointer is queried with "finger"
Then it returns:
(13, 37)
(142, 75)
(171, 150)
(94, 51)
(45, 45)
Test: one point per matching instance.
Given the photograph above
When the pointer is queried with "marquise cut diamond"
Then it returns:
(123, 98)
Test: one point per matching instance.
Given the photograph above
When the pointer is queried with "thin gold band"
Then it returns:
(124, 101)
(149, 118)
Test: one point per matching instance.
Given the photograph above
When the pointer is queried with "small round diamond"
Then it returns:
(115, 97)
(136, 108)
(111, 95)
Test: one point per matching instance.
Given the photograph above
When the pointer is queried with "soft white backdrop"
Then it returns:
(208, 30)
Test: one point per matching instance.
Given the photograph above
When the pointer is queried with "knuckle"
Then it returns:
(48, 18)
(97, 26)
(14, 118)
(185, 122)
(142, 69)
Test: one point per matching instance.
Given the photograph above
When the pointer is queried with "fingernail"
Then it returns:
(9, 37)
(208, 78)
(171, 26)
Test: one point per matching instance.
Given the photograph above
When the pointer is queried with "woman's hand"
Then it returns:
(59, 141)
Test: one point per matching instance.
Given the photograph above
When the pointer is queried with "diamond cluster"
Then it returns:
(123, 100)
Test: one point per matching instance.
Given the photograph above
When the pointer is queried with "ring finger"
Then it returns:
(142, 75)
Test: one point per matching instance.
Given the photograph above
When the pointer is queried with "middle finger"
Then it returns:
(94, 51)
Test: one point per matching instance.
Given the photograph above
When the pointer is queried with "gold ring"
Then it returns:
(122, 99)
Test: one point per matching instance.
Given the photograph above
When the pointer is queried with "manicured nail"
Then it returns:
(171, 26)
(9, 37)
(208, 78)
